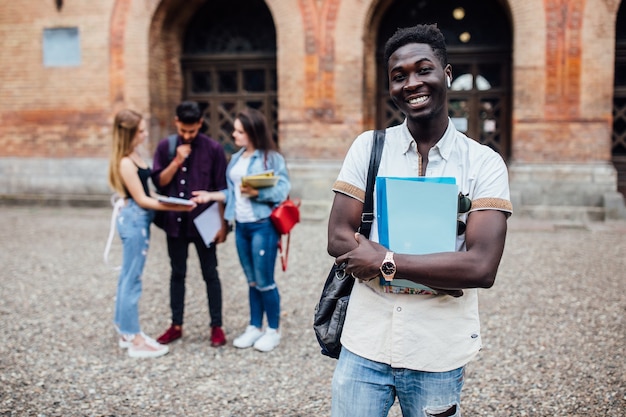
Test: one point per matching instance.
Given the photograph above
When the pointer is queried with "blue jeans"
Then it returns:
(257, 246)
(366, 388)
(133, 226)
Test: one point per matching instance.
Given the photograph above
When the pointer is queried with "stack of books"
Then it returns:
(260, 180)
(416, 215)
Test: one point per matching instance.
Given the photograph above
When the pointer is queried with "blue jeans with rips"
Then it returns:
(133, 226)
(257, 246)
(365, 388)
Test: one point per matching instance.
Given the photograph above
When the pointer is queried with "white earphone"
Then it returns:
(449, 81)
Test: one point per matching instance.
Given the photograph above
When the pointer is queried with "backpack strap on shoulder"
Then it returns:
(171, 139)
(367, 217)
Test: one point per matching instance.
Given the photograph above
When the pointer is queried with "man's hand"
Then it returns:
(364, 261)
(220, 237)
(182, 153)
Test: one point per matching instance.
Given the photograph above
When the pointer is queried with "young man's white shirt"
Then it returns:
(434, 333)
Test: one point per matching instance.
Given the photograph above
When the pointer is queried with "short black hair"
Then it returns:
(428, 34)
(188, 112)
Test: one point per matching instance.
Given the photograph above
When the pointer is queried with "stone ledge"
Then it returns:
(316, 210)
(56, 200)
(562, 214)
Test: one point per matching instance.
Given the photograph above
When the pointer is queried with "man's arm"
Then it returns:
(474, 268)
(163, 169)
(168, 173)
(344, 221)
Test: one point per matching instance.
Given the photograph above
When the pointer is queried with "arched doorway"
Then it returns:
(618, 149)
(479, 40)
(229, 62)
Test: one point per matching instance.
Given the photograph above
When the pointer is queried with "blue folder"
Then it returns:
(416, 215)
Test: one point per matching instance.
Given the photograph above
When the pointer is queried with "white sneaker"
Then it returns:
(247, 338)
(125, 341)
(268, 341)
(150, 348)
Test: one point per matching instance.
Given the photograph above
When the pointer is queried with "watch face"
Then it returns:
(388, 268)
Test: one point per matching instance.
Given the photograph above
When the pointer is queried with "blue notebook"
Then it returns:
(416, 215)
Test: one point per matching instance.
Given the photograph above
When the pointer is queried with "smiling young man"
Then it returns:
(198, 163)
(415, 346)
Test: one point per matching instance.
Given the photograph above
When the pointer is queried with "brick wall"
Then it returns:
(562, 74)
(53, 112)
(130, 50)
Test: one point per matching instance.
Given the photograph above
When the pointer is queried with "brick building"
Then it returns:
(541, 81)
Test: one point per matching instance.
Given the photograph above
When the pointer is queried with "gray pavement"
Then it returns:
(553, 327)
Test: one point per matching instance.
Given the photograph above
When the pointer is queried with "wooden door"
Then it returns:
(229, 62)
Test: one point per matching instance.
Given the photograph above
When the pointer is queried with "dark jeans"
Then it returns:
(178, 249)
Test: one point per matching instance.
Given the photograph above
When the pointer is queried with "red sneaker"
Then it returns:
(217, 337)
(171, 334)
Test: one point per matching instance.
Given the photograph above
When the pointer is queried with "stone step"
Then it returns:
(561, 213)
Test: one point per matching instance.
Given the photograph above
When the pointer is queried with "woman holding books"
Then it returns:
(133, 213)
(250, 209)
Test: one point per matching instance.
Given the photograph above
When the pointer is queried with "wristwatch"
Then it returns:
(388, 267)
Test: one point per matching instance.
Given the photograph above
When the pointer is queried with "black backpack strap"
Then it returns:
(367, 217)
(172, 139)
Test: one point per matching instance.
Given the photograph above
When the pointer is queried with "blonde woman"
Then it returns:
(128, 177)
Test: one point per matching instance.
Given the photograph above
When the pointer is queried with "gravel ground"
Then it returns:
(553, 327)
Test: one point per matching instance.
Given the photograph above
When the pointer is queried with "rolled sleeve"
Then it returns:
(352, 178)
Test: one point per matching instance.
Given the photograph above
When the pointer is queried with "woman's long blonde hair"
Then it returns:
(125, 129)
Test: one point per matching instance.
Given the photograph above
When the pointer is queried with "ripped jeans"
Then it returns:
(133, 226)
(257, 246)
(366, 388)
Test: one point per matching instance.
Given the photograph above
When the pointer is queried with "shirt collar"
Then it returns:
(443, 146)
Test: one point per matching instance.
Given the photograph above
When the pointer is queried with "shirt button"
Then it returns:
(181, 194)
(178, 219)
(184, 169)
(182, 181)
(398, 309)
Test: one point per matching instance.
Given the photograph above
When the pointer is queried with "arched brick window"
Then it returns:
(229, 62)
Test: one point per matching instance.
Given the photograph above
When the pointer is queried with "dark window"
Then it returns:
(619, 101)
(229, 63)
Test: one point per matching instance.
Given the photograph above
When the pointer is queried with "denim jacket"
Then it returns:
(269, 197)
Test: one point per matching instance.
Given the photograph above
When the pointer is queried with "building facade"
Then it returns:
(543, 82)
